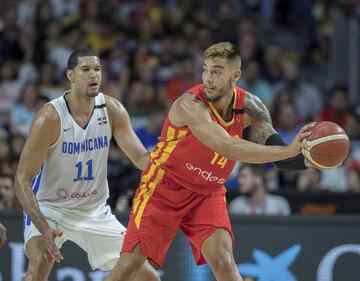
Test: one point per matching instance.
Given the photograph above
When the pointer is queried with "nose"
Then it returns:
(92, 74)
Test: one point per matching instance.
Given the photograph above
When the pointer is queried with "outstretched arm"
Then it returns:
(125, 135)
(261, 124)
(190, 112)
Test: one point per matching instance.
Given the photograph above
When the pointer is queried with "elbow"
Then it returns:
(19, 183)
(17, 186)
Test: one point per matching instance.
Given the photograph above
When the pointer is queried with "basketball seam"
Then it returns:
(308, 156)
(327, 138)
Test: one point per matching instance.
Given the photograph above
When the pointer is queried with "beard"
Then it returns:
(91, 94)
(221, 92)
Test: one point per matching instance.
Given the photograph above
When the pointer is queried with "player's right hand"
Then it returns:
(53, 253)
(296, 145)
(2, 235)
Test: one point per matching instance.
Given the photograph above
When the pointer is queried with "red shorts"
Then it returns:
(160, 209)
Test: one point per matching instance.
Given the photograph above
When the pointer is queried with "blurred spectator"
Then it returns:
(353, 176)
(10, 86)
(17, 142)
(247, 42)
(337, 107)
(254, 199)
(287, 122)
(47, 84)
(9, 34)
(334, 179)
(251, 81)
(5, 154)
(7, 194)
(353, 123)
(58, 54)
(100, 38)
(305, 96)
(309, 180)
(140, 98)
(150, 133)
(23, 112)
(271, 70)
(123, 178)
(64, 8)
(182, 79)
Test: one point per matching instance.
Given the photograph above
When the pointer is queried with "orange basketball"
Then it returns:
(327, 146)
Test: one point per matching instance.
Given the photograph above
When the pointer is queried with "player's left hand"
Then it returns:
(2, 235)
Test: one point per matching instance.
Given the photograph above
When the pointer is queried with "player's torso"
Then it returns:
(74, 173)
(187, 161)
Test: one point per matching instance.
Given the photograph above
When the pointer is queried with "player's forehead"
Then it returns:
(88, 61)
(216, 62)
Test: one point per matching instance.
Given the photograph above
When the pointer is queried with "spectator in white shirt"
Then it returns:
(254, 199)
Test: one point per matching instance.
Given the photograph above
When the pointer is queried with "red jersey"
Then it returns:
(182, 158)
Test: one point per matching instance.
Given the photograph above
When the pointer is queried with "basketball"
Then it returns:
(327, 146)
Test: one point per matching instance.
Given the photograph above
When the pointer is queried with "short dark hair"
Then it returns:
(339, 88)
(73, 59)
(256, 169)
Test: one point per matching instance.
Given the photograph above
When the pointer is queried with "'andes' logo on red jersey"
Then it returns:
(208, 176)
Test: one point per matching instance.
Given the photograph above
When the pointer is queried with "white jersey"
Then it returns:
(74, 173)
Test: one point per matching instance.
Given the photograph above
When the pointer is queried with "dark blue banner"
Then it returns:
(266, 249)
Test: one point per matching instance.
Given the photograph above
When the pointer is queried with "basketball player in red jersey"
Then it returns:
(183, 185)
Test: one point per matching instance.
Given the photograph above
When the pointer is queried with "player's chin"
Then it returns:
(92, 94)
(212, 98)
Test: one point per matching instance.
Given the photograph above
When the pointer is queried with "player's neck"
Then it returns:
(224, 105)
(79, 104)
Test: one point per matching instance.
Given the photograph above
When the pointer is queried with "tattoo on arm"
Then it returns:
(261, 122)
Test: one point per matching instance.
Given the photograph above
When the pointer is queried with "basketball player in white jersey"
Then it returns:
(61, 177)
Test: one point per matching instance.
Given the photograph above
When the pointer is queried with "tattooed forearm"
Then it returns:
(261, 122)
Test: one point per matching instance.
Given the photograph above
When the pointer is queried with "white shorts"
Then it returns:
(97, 232)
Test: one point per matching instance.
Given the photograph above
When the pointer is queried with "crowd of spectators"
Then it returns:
(151, 51)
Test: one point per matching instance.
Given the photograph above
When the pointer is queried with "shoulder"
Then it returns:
(118, 115)
(114, 106)
(112, 102)
(251, 99)
(254, 107)
(186, 109)
(188, 101)
(46, 124)
(47, 115)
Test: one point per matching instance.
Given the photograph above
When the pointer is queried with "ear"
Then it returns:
(236, 75)
(70, 75)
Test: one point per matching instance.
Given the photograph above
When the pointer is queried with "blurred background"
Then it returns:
(300, 57)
